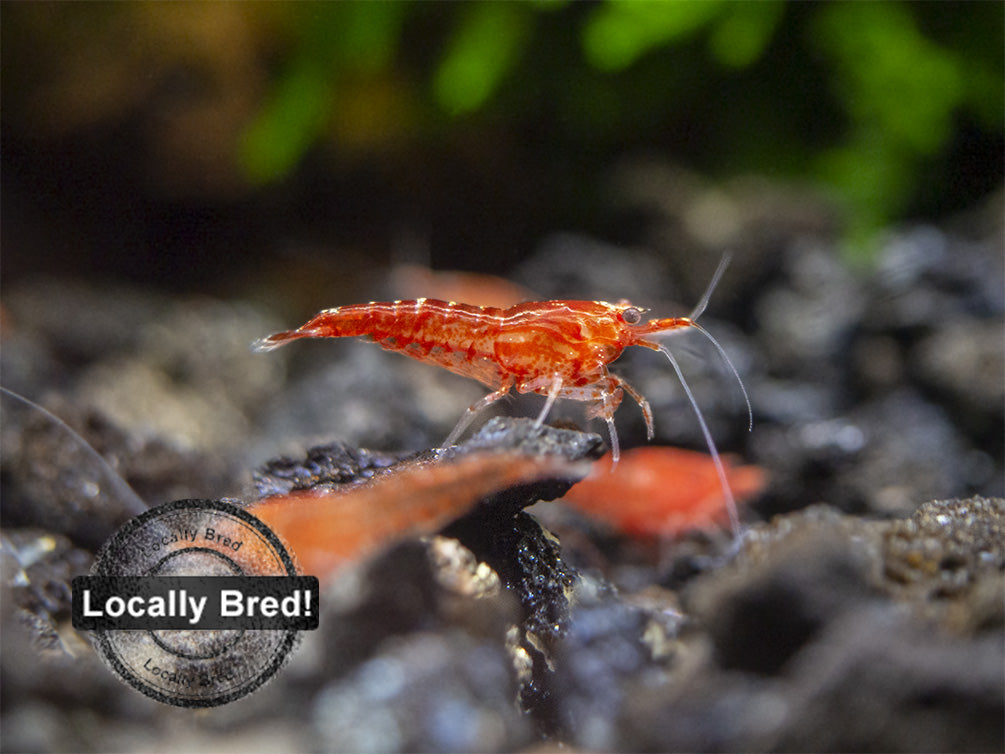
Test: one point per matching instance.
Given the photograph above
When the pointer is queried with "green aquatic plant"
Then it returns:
(896, 108)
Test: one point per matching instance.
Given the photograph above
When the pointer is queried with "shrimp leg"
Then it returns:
(553, 391)
(647, 412)
(608, 413)
(473, 410)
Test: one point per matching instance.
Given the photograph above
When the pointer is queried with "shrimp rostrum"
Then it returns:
(559, 349)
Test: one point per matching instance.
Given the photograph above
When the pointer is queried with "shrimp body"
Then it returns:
(560, 349)
(457, 337)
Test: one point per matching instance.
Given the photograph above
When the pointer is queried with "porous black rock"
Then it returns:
(333, 463)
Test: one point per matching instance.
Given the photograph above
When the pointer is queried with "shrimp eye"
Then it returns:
(631, 316)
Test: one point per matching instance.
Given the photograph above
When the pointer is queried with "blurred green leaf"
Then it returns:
(620, 31)
(902, 93)
(369, 34)
(864, 97)
(482, 50)
(334, 39)
(890, 75)
(867, 177)
(744, 32)
(291, 121)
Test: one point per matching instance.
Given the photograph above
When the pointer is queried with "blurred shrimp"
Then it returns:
(328, 528)
(662, 492)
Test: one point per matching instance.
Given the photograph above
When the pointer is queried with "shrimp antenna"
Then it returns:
(725, 358)
(134, 503)
(702, 304)
(734, 518)
(698, 310)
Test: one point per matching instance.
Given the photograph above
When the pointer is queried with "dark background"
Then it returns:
(205, 147)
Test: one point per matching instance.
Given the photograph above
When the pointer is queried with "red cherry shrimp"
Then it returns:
(559, 349)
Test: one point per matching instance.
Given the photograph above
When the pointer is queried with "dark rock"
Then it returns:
(415, 655)
(788, 582)
(878, 681)
(427, 692)
(87, 482)
(38, 568)
(529, 564)
(607, 646)
(335, 463)
(803, 642)
(504, 433)
(948, 559)
(400, 592)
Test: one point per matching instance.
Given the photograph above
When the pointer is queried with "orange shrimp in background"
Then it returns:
(328, 528)
(662, 492)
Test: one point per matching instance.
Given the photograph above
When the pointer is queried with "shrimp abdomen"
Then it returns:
(458, 337)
